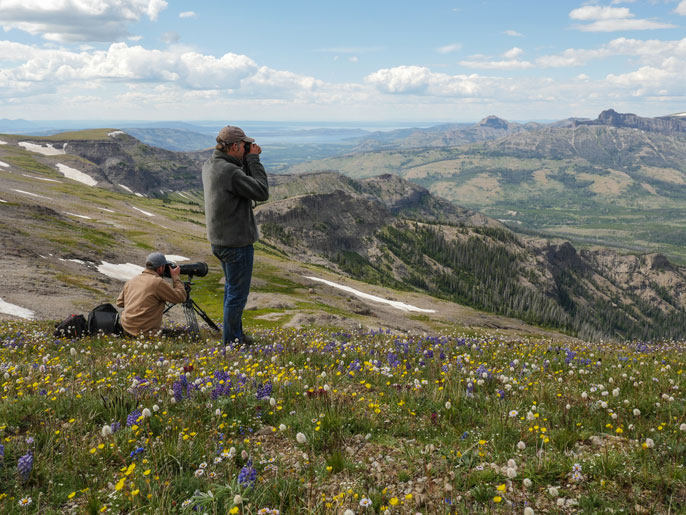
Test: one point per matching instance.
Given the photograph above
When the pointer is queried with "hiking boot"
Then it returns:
(247, 339)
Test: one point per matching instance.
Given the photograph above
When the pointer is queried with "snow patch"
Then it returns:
(126, 188)
(115, 133)
(32, 194)
(3, 201)
(48, 150)
(139, 194)
(172, 257)
(76, 175)
(394, 303)
(184, 196)
(3, 142)
(105, 209)
(123, 272)
(2, 163)
(144, 212)
(17, 311)
(78, 216)
(40, 178)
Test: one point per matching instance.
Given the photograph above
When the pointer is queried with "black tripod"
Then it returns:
(190, 308)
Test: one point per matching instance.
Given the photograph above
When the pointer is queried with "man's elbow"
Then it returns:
(262, 196)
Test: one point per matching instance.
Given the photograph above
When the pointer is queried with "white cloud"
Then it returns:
(418, 80)
(447, 49)
(77, 20)
(509, 64)
(513, 53)
(513, 33)
(187, 14)
(681, 8)
(611, 19)
(353, 59)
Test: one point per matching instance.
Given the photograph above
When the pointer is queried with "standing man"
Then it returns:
(144, 297)
(233, 179)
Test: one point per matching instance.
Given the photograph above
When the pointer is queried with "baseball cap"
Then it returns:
(155, 260)
(231, 134)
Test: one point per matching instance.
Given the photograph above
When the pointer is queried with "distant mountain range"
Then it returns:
(376, 226)
(619, 180)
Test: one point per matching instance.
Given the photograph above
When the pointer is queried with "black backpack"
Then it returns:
(104, 319)
(74, 326)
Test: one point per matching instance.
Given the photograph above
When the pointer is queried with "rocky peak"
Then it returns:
(494, 122)
(612, 118)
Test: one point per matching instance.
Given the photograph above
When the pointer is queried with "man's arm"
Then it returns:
(253, 184)
(175, 293)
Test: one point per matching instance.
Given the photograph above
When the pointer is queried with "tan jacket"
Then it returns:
(143, 299)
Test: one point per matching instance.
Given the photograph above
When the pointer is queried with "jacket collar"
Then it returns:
(226, 157)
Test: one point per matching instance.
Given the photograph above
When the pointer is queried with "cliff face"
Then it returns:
(666, 124)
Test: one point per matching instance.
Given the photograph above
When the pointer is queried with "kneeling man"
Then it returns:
(143, 297)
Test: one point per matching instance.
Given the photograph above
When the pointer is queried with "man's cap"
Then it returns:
(231, 134)
(156, 260)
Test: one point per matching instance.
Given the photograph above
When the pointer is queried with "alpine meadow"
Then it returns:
(433, 257)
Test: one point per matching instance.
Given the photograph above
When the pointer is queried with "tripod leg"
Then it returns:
(204, 316)
(191, 319)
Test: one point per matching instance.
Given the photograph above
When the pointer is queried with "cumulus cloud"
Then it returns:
(447, 49)
(187, 14)
(610, 19)
(681, 8)
(513, 53)
(77, 20)
(419, 80)
(513, 33)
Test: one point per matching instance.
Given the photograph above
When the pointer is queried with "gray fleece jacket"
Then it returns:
(229, 193)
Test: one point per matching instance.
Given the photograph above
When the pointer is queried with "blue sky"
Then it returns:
(441, 61)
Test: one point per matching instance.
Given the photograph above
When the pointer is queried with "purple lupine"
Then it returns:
(133, 417)
(25, 465)
(115, 426)
(247, 476)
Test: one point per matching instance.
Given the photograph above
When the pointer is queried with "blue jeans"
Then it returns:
(237, 264)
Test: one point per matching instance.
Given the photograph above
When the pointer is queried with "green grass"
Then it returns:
(383, 416)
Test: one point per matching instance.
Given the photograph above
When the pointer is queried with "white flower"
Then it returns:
(560, 501)
(649, 444)
(364, 502)
(553, 491)
(282, 427)
(530, 416)
(521, 445)
(106, 430)
(237, 499)
(301, 438)
(528, 511)
(244, 455)
(217, 412)
(272, 402)
(527, 483)
(348, 512)
(615, 392)
(682, 427)
(155, 408)
(25, 501)
(511, 473)
(72, 351)
(199, 472)
(146, 413)
(513, 413)
(448, 405)
(637, 412)
(584, 395)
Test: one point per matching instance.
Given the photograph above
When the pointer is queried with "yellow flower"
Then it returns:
(135, 492)
(120, 484)
(233, 510)
(497, 499)
(146, 473)
(408, 497)
(501, 488)
(393, 501)
(71, 495)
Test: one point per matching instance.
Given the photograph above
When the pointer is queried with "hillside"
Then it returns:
(469, 259)
(381, 230)
(62, 238)
(616, 181)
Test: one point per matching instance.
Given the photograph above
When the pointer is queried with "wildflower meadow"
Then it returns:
(315, 421)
